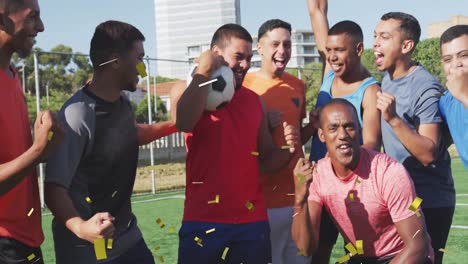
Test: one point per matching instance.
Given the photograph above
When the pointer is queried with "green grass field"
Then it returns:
(169, 207)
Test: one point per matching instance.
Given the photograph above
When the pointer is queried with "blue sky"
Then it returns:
(72, 22)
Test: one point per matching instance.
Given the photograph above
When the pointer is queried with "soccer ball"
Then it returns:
(221, 91)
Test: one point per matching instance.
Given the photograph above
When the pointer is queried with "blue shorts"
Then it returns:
(247, 243)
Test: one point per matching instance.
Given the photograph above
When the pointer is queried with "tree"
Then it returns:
(311, 74)
(141, 113)
(427, 53)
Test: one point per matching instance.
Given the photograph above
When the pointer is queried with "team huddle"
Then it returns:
(378, 173)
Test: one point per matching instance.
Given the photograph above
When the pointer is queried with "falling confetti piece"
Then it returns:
(358, 181)
(439, 94)
(114, 193)
(250, 206)
(31, 257)
(415, 234)
(157, 248)
(274, 188)
(359, 247)
(255, 153)
(210, 230)
(216, 200)
(30, 212)
(415, 206)
(50, 135)
(100, 248)
(352, 250)
(223, 257)
(171, 230)
(160, 223)
(198, 240)
(109, 243)
(208, 82)
(286, 147)
(197, 182)
(291, 194)
(300, 178)
(300, 253)
(200, 244)
(351, 197)
(343, 259)
(140, 67)
(88, 200)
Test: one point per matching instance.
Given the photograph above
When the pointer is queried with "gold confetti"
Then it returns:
(443, 250)
(161, 259)
(171, 230)
(30, 212)
(210, 230)
(216, 200)
(197, 182)
(141, 69)
(250, 206)
(300, 253)
(223, 257)
(300, 178)
(198, 240)
(50, 135)
(160, 223)
(351, 197)
(286, 147)
(358, 181)
(343, 259)
(157, 248)
(439, 94)
(359, 247)
(109, 243)
(100, 248)
(415, 206)
(88, 200)
(31, 257)
(352, 250)
(255, 153)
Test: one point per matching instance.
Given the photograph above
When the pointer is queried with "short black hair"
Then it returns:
(409, 25)
(453, 33)
(112, 37)
(11, 6)
(337, 101)
(227, 31)
(349, 28)
(271, 24)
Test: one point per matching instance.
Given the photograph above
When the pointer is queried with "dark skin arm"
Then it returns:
(148, 133)
(416, 249)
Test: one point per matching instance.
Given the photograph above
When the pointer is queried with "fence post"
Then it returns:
(38, 108)
(150, 121)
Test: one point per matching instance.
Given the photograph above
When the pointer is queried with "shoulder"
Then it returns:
(423, 80)
(78, 111)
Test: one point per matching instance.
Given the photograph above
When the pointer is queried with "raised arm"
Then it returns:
(318, 18)
(150, 132)
(306, 218)
(414, 236)
(422, 143)
(272, 158)
(192, 102)
(14, 171)
(371, 132)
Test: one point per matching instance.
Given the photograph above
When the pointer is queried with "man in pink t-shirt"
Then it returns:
(366, 193)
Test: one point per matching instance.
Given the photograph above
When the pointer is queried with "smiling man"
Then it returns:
(411, 122)
(366, 193)
(284, 97)
(20, 212)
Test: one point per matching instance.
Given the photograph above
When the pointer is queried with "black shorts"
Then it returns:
(15, 252)
(328, 230)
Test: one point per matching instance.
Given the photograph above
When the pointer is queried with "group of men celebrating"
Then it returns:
(272, 207)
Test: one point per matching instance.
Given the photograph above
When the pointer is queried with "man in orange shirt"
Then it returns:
(284, 97)
(20, 213)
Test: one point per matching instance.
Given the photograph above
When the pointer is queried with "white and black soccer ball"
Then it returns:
(221, 91)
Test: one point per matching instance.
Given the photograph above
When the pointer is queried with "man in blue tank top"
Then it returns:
(344, 77)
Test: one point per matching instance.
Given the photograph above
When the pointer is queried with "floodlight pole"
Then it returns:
(38, 108)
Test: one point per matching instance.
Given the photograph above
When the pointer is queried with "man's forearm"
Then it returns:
(191, 104)
(300, 230)
(148, 133)
(13, 172)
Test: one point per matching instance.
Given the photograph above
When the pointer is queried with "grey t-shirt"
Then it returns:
(97, 159)
(417, 104)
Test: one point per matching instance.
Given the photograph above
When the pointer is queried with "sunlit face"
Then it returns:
(340, 132)
(454, 54)
(127, 66)
(275, 49)
(343, 55)
(22, 27)
(388, 44)
(237, 53)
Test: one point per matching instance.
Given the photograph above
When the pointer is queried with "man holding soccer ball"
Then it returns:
(225, 215)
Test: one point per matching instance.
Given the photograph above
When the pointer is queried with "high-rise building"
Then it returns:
(436, 29)
(182, 26)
